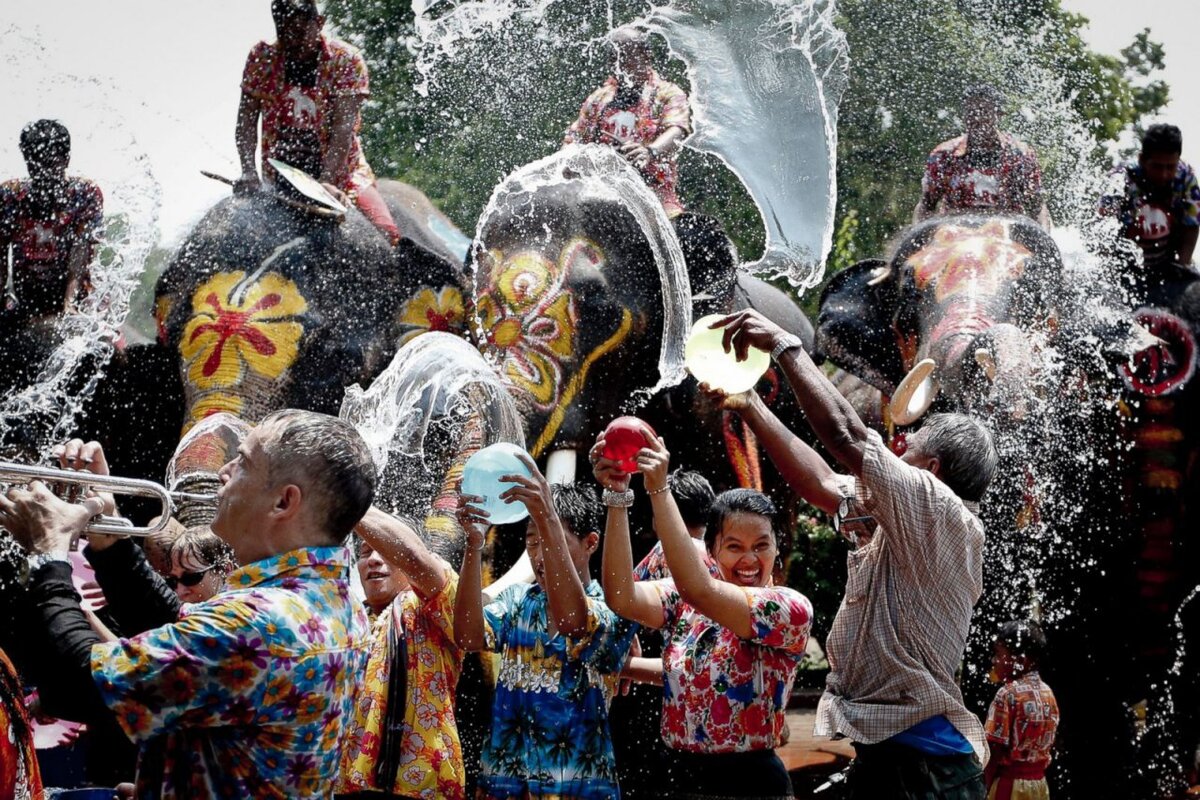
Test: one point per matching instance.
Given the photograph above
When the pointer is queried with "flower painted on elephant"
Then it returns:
(241, 325)
(961, 259)
(433, 310)
(529, 321)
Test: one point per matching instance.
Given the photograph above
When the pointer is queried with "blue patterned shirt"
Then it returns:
(550, 736)
(1149, 217)
(247, 694)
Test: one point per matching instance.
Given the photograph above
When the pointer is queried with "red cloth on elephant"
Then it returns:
(661, 105)
(42, 245)
(1005, 181)
(20, 777)
(296, 119)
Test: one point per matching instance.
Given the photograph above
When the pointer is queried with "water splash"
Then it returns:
(598, 174)
(767, 77)
(45, 411)
(437, 392)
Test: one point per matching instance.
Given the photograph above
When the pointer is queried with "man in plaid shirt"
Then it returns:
(912, 579)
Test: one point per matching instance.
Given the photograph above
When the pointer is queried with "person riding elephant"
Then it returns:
(308, 89)
(646, 118)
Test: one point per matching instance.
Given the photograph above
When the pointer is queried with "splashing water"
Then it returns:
(598, 173)
(766, 80)
(766, 77)
(82, 342)
(436, 400)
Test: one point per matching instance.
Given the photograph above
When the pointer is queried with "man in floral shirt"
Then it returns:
(309, 90)
(984, 171)
(1157, 199)
(246, 694)
(52, 222)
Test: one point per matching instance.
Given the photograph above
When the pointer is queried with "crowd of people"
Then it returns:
(241, 663)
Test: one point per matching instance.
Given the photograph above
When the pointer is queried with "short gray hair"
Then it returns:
(326, 456)
(964, 448)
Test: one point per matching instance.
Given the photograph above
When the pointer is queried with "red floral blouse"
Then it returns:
(722, 693)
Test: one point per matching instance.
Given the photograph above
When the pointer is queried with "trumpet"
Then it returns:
(82, 483)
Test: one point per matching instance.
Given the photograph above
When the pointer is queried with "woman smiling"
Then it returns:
(733, 642)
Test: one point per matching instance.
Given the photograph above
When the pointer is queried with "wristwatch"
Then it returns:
(786, 343)
(617, 499)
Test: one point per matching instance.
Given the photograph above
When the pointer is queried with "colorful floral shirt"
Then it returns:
(722, 693)
(296, 119)
(1024, 718)
(1004, 181)
(654, 566)
(20, 777)
(1152, 218)
(550, 736)
(41, 246)
(661, 105)
(249, 693)
(431, 761)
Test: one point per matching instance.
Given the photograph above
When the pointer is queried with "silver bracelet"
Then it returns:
(617, 499)
(786, 343)
(666, 487)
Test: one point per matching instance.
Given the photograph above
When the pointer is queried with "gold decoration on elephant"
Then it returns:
(529, 322)
(962, 258)
(433, 310)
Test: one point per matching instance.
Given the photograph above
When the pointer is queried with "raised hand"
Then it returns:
(606, 471)
(654, 462)
(747, 329)
(472, 519)
(720, 399)
(534, 492)
(43, 522)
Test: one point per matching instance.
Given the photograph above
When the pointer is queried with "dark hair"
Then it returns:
(985, 93)
(287, 9)
(737, 501)
(965, 449)
(694, 496)
(46, 137)
(578, 506)
(206, 547)
(1023, 638)
(327, 456)
(1162, 139)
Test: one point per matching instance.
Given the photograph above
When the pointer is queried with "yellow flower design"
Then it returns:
(239, 325)
(430, 310)
(529, 320)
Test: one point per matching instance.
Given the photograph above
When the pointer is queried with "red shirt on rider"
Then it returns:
(984, 170)
(52, 223)
(641, 114)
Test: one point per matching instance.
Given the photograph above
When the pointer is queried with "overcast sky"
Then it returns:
(152, 83)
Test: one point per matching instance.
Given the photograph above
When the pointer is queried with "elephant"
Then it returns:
(1086, 518)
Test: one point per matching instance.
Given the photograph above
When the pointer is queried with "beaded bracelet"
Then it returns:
(665, 487)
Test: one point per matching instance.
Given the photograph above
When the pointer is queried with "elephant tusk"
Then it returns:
(915, 394)
(560, 466)
(985, 359)
(879, 275)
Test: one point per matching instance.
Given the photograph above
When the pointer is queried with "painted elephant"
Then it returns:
(584, 305)
(1086, 519)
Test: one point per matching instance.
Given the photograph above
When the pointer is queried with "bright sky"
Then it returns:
(166, 75)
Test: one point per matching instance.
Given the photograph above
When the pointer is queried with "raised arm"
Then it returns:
(831, 416)
(801, 466)
(565, 592)
(625, 596)
(716, 599)
(468, 602)
(400, 545)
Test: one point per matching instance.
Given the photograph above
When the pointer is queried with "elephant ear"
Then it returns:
(855, 324)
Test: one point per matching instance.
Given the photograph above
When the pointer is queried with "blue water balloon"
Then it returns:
(481, 477)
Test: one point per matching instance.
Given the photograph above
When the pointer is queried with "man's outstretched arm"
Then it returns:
(831, 416)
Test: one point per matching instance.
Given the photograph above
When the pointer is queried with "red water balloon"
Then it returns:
(623, 438)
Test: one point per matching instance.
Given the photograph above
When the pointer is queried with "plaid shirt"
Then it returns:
(899, 635)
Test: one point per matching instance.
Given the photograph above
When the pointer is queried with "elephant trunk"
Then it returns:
(204, 450)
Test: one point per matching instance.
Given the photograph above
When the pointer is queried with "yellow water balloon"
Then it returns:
(707, 360)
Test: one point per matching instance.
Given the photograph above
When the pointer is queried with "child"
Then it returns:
(561, 650)
(1023, 719)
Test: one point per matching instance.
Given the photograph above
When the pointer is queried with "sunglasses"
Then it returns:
(188, 579)
(852, 527)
